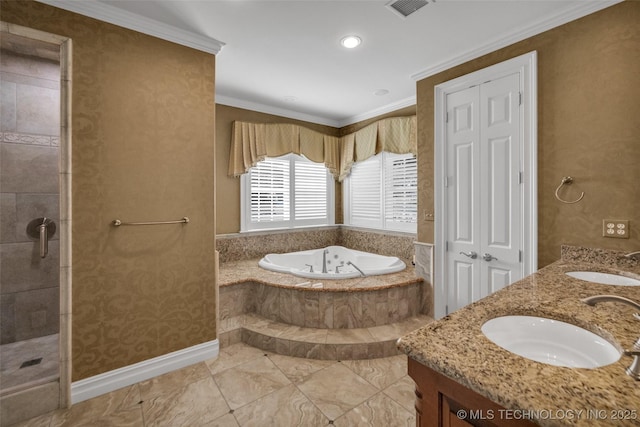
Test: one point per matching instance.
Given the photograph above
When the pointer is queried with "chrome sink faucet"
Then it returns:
(633, 255)
(634, 370)
(612, 298)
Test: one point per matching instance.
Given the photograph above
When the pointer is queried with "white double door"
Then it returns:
(483, 190)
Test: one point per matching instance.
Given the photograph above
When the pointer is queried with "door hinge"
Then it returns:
(520, 177)
(446, 181)
(446, 117)
(446, 309)
(519, 98)
(519, 256)
(446, 246)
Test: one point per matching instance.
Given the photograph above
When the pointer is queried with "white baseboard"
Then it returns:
(118, 378)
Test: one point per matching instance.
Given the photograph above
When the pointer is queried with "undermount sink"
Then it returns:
(550, 341)
(604, 278)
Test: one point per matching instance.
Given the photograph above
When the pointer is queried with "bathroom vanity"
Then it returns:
(464, 379)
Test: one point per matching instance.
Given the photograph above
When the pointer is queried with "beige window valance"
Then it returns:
(252, 142)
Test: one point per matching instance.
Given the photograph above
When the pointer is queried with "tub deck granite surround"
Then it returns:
(345, 319)
(243, 246)
(455, 346)
(237, 272)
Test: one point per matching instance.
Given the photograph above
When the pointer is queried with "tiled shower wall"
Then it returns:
(235, 247)
(29, 131)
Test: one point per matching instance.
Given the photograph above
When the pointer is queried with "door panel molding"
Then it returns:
(526, 68)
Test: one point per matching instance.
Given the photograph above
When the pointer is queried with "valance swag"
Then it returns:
(252, 142)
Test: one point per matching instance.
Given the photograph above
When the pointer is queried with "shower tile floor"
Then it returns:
(13, 355)
(246, 386)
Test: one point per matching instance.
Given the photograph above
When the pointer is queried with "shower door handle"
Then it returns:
(42, 229)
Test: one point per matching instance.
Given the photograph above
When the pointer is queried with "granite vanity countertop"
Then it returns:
(456, 347)
(235, 272)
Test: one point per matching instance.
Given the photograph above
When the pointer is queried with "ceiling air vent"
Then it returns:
(405, 8)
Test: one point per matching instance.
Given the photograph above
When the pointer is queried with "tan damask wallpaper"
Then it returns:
(588, 128)
(143, 150)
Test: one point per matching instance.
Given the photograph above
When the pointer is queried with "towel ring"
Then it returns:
(567, 180)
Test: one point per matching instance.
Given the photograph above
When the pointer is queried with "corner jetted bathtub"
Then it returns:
(332, 262)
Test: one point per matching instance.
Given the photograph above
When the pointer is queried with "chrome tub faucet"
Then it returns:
(356, 267)
(324, 260)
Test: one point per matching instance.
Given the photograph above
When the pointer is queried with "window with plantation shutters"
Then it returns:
(310, 191)
(287, 192)
(400, 192)
(365, 185)
(270, 191)
(381, 192)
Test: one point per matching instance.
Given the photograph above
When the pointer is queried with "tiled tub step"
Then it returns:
(313, 343)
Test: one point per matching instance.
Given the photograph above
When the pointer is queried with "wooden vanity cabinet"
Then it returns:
(440, 402)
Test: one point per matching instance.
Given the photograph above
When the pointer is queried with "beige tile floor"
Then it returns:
(246, 386)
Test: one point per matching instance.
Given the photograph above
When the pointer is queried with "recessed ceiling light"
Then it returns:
(290, 99)
(350, 41)
(381, 92)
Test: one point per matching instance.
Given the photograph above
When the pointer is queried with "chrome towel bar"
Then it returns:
(118, 223)
(567, 180)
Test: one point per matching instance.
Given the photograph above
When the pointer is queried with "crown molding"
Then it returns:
(389, 108)
(113, 15)
(276, 111)
(536, 28)
(283, 112)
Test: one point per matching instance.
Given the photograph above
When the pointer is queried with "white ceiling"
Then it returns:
(275, 50)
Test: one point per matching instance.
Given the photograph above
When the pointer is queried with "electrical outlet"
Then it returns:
(616, 228)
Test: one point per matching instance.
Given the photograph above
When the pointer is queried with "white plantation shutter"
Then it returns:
(270, 191)
(286, 192)
(310, 200)
(381, 192)
(365, 188)
(400, 192)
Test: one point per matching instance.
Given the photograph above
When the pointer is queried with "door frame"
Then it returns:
(64, 171)
(526, 66)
